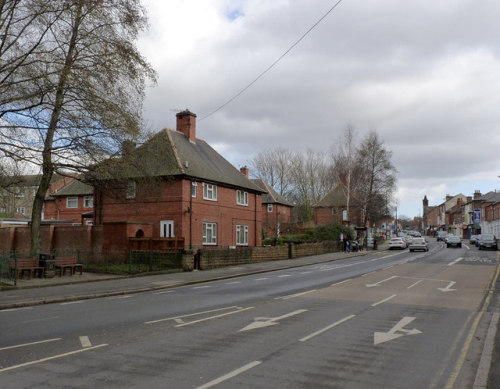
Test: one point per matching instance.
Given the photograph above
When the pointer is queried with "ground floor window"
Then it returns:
(210, 233)
(242, 235)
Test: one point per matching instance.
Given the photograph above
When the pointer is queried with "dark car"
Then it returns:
(453, 241)
(487, 241)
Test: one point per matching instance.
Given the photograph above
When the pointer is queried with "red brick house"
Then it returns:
(74, 202)
(176, 185)
(330, 209)
(276, 210)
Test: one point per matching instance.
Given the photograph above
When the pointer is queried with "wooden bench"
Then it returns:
(26, 265)
(67, 263)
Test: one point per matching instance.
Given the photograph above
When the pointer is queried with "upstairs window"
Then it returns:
(72, 202)
(209, 192)
(241, 197)
(131, 189)
(88, 202)
(269, 208)
(21, 210)
(193, 188)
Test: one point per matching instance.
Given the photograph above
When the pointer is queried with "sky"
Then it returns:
(425, 74)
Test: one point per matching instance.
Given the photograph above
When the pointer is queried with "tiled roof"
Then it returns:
(171, 153)
(271, 197)
(335, 198)
(74, 188)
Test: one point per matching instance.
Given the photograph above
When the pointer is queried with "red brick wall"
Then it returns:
(172, 201)
(280, 213)
(325, 216)
(57, 210)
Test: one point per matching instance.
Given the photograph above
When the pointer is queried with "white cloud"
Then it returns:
(424, 73)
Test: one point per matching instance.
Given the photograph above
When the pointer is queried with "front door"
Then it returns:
(167, 229)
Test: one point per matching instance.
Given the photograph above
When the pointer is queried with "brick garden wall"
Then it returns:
(220, 257)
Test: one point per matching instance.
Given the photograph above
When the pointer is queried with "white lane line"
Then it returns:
(85, 341)
(30, 344)
(415, 284)
(389, 267)
(455, 261)
(213, 317)
(234, 282)
(72, 302)
(15, 309)
(230, 375)
(51, 358)
(306, 338)
(306, 272)
(384, 300)
(164, 292)
(261, 279)
(342, 282)
(202, 287)
(294, 295)
(127, 296)
(284, 275)
(367, 274)
(192, 314)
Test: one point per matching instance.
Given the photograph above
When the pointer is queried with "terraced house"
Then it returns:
(176, 185)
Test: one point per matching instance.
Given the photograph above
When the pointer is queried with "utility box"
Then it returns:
(48, 262)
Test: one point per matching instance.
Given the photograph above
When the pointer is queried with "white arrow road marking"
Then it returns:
(447, 289)
(261, 322)
(381, 337)
(380, 282)
(85, 341)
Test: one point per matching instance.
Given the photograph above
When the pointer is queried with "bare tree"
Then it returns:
(72, 84)
(312, 178)
(344, 159)
(378, 176)
(274, 166)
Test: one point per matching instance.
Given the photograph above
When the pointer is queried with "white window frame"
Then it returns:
(269, 208)
(21, 210)
(209, 192)
(210, 234)
(88, 202)
(194, 184)
(131, 189)
(70, 202)
(241, 235)
(242, 198)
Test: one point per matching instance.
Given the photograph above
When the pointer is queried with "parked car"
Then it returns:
(441, 235)
(453, 241)
(418, 244)
(473, 239)
(487, 241)
(397, 243)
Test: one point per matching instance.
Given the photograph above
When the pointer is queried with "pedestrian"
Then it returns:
(345, 243)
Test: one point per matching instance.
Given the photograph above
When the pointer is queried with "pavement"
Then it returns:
(37, 291)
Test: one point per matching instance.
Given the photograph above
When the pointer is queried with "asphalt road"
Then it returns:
(390, 319)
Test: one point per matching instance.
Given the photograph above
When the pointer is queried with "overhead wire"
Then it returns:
(274, 63)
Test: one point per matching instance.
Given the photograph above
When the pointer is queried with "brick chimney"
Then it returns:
(244, 171)
(186, 123)
(477, 194)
